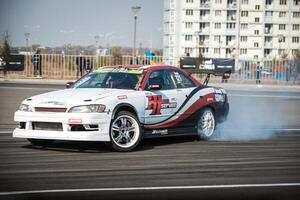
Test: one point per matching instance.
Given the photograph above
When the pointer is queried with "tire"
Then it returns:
(125, 132)
(40, 142)
(206, 124)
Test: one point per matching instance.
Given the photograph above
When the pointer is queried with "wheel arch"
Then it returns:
(124, 107)
(216, 109)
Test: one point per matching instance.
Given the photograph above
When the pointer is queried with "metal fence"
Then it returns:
(58, 66)
(269, 70)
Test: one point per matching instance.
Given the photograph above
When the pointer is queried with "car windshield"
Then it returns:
(117, 78)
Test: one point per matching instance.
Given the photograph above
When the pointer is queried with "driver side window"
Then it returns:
(161, 77)
(156, 78)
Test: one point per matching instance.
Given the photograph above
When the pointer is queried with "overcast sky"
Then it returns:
(57, 22)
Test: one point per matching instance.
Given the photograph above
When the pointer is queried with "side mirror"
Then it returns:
(155, 86)
(69, 84)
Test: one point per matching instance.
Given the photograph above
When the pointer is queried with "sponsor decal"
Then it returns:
(57, 103)
(162, 132)
(75, 121)
(122, 97)
(169, 105)
(178, 77)
(156, 103)
(119, 70)
(210, 99)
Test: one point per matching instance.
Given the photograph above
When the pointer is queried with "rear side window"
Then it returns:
(180, 79)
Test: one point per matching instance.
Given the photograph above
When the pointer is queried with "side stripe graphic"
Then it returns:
(190, 111)
(190, 96)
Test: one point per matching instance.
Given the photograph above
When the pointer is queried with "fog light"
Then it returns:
(22, 125)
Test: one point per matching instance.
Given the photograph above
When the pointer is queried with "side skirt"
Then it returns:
(157, 133)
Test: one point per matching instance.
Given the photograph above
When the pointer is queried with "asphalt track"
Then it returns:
(257, 156)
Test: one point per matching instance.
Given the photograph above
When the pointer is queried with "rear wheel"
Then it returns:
(40, 142)
(206, 124)
(125, 131)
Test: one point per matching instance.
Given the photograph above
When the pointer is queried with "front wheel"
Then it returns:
(206, 124)
(40, 142)
(125, 131)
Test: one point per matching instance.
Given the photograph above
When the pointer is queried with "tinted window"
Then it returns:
(180, 79)
(156, 77)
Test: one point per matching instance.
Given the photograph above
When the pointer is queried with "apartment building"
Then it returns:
(242, 29)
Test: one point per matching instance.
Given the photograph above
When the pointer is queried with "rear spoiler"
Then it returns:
(214, 66)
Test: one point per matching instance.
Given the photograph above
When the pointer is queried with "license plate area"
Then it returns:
(47, 126)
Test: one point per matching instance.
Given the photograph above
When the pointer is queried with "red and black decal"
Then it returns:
(194, 107)
(154, 104)
(191, 110)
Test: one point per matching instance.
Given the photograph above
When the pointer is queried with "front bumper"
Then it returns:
(101, 133)
(221, 111)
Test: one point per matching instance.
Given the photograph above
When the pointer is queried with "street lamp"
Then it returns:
(97, 37)
(27, 35)
(135, 10)
(108, 38)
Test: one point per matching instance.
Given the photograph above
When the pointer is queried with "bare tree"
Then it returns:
(117, 55)
(5, 51)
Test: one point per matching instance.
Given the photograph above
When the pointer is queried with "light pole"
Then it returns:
(135, 10)
(97, 37)
(108, 36)
(27, 35)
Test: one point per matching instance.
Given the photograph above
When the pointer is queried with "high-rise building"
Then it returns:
(241, 29)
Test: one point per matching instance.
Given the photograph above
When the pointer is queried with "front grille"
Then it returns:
(48, 126)
(44, 109)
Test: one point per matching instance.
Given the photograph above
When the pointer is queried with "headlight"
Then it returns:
(220, 97)
(25, 107)
(88, 109)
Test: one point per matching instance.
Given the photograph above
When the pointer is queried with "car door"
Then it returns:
(158, 100)
(163, 103)
(184, 87)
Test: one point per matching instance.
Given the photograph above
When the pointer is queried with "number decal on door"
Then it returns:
(154, 104)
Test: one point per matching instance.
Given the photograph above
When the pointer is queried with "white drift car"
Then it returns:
(122, 105)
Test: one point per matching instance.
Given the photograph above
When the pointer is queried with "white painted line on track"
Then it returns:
(8, 131)
(29, 88)
(263, 96)
(151, 188)
(286, 129)
(264, 129)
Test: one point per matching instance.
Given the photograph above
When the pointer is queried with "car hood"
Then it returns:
(77, 96)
